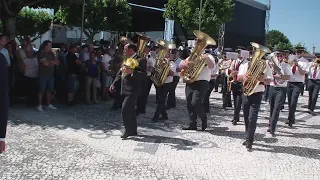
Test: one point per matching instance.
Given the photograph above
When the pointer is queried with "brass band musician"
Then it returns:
(314, 83)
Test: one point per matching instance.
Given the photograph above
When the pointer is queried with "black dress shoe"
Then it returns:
(234, 123)
(204, 125)
(155, 119)
(245, 143)
(287, 122)
(189, 128)
(125, 135)
(163, 118)
(249, 146)
(268, 130)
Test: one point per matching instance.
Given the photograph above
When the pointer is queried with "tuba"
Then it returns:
(257, 67)
(142, 43)
(162, 66)
(191, 73)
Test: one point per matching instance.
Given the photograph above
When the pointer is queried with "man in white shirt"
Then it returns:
(251, 104)
(236, 87)
(314, 84)
(226, 96)
(163, 92)
(171, 103)
(277, 91)
(195, 93)
(299, 69)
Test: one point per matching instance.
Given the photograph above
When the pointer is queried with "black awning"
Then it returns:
(144, 19)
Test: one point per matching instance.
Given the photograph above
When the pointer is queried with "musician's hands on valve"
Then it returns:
(277, 76)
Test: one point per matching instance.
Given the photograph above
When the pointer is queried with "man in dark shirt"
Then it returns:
(74, 69)
(4, 101)
(47, 61)
(131, 81)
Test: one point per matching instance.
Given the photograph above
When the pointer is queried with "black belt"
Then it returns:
(315, 79)
(296, 82)
(261, 83)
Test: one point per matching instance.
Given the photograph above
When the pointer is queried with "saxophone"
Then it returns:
(191, 73)
(256, 68)
(162, 67)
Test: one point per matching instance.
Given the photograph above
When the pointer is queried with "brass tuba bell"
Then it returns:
(197, 62)
(257, 67)
(162, 66)
(142, 43)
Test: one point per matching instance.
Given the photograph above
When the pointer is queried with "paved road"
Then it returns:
(83, 142)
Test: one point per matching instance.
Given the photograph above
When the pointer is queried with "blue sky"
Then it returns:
(298, 20)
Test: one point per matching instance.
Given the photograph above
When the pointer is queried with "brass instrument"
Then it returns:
(162, 66)
(191, 73)
(142, 43)
(316, 63)
(123, 42)
(273, 60)
(256, 69)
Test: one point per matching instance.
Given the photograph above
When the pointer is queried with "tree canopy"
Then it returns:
(214, 14)
(100, 15)
(277, 40)
(32, 23)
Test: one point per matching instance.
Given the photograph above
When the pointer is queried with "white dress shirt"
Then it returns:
(151, 62)
(285, 70)
(5, 53)
(268, 75)
(215, 71)
(297, 76)
(177, 62)
(106, 61)
(312, 71)
(173, 68)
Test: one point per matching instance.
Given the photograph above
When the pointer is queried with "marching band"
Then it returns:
(244, 75)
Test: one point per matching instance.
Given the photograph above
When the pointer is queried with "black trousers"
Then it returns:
(206, 103)
(31, 90)
(226, 96)
(237, 99)
(129, 113)
(118, 98)
(284, 97)
(143, 98)
(294, 90)
(251, 107)
(266, 93)
(216, 86)
(195, 93)
(313, 88)
(172, 92)
(162, 97)
(276, 96)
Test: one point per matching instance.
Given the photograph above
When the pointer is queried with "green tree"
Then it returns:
(100, 15)
(277, 40)
(186, 12)
(9, 10)
(32, 23)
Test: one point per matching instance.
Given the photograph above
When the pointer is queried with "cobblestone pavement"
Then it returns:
(83, 142)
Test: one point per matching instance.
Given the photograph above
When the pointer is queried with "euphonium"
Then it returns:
(162, 67)
(191, 73)
(142, 43)
(316, 63)
(256, 69)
